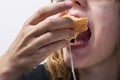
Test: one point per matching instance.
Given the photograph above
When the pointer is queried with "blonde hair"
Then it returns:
(57, 67)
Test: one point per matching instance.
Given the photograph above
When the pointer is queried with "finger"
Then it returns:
(60, 14)
(47, 11)
(53, 24)
(49, 38)
(44, 52)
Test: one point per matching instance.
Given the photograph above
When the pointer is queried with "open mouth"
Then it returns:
(81, 39)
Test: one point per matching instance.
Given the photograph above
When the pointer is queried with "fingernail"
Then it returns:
(69, 3)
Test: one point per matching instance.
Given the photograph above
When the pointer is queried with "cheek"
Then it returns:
(105, 21)
(106, 25)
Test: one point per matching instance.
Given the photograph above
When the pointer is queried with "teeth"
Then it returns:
(77, 42)
(80, 42)
(73, 41)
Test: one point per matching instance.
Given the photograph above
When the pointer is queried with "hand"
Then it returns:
(40, 36)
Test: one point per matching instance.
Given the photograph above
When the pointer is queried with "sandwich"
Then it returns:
(81, 25)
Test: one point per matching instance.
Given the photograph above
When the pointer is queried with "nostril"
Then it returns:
(76, 2)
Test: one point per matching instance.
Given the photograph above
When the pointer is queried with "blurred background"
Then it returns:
(13, 14)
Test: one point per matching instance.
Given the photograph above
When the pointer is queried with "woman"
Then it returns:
(96, 58)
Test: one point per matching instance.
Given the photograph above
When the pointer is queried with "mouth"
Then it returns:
(81, 40)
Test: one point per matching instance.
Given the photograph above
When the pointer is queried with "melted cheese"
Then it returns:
(72, 64)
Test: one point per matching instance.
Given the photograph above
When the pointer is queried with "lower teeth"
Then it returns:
(74, 42)
(77, 43)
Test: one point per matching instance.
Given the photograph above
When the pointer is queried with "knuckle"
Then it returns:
(51, 21)
(27, 22)
(42, 12)
(50, 35)
(27, 35)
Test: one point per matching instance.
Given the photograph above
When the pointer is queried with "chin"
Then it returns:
(89, 56)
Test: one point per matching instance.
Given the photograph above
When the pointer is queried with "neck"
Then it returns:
(107, 70)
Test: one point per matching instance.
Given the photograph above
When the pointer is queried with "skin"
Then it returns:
(35, 42)
(98, 60)
(38, 37)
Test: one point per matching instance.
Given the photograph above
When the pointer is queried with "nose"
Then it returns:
(78, 10)
(80, 3)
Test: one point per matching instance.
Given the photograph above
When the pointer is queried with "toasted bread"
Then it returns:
(81, 24)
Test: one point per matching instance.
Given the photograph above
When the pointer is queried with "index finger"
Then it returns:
(47, 11)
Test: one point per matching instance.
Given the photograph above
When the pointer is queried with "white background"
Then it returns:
(13, 14)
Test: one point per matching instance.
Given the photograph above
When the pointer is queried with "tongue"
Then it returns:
(83, 37)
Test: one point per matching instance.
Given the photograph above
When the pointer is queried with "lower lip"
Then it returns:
(78, 46)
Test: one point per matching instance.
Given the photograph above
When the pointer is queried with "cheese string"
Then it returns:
(72, 65)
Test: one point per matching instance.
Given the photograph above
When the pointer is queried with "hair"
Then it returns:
(58, 69)
(56, 66)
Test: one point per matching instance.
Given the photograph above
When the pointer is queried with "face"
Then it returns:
(102, 36)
